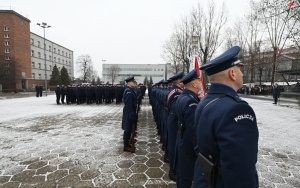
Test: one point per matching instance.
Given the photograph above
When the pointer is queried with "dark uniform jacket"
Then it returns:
(172, 122)
(185, 155)
(129, 110)
(227, 134)
(276, 92)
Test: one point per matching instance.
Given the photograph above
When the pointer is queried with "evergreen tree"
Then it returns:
(98, 80)
(93, 81)
(151, 81)
(64, 76)
(146, 81)
(55, 77)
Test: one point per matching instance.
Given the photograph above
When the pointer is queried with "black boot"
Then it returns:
(172, 174)
(166, 156)
(127, 146)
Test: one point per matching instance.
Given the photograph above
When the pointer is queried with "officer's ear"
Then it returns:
(232, 74)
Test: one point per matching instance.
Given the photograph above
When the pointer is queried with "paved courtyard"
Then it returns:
(47, 145)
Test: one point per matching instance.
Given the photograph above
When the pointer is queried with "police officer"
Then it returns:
(226, 128)
(129, 111)
(58, 94)
(63, 93)
(185, 155)
(37, 90)
(41, 90)
(276, 93)
(172, 121)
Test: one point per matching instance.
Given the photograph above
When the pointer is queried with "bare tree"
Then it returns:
(276, 16)
(208, 26)
(112, 72)
(253, 36)
(295, 30)
(183, 36)
(171, 53)
(85, 67)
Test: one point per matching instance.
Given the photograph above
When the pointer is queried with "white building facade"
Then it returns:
(140, 71)
(55, 55)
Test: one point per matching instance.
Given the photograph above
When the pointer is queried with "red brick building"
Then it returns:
(15, 59)
(27, 59)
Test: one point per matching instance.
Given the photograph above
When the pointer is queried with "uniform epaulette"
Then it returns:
(236, 98)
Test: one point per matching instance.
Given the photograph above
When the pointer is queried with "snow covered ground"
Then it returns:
(42, 143)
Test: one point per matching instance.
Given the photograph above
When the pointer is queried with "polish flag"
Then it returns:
(202, 92)
(278, 50)
(291, 4)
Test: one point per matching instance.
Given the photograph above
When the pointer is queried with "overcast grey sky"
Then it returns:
(118, 31)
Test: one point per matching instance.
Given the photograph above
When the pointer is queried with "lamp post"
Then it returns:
(103, 62)
(44, 26)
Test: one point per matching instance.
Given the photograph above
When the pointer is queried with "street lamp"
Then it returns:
(103, 60)
(44, 26)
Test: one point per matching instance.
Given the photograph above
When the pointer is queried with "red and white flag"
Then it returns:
(202, 92)
(291, 4)
(278, 51)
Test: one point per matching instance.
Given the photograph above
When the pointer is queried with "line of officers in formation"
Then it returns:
(90, 94)
(212, 142)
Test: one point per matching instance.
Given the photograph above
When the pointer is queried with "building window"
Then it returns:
(7, 50)
(39, 43)
(63, 53)
(32, 42)
(33, 75)
(6, 36)
(66, 54)
(7, 65)
(6, 43)
(39, 65)
(50, 48)
(58, 51)
(50, 67)
(32, 53)
(39, 54)
(6, 28)
(54, 59)
(63, 61)
(54, 49)
(7, 58)
(69, 55)
(50, 58)
(40, 76)
(33, 65)
(7, 71)
(58, 60)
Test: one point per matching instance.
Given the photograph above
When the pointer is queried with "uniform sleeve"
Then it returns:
(189, 119)
(237, 136)
(129, 104)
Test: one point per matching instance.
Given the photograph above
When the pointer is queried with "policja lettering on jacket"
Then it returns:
(245, 116)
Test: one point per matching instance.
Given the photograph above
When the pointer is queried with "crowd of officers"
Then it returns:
(92, 94)
(212, 142)
(39, 90)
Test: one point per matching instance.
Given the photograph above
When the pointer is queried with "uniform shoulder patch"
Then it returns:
(243, 117)
(193, 104)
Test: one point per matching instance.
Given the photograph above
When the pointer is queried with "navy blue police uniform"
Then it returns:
(226, 131)
(129, 112)
(185, 155)
(58, 94)
(172, 123)
(276, 93)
